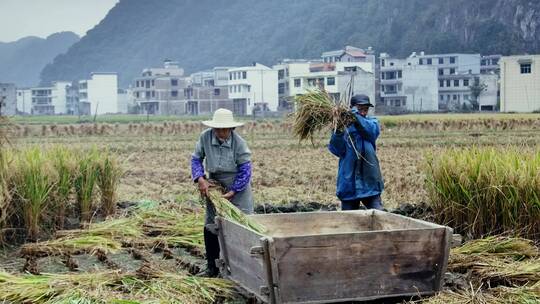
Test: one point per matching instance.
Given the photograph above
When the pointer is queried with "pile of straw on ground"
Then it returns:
(500, 270)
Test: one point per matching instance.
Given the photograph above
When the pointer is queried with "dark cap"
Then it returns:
(361, 100)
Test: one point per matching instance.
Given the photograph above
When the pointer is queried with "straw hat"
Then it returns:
(222, 119)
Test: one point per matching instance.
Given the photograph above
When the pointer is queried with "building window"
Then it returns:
(441, 97)
(248, 88)
(452, 71)
(441, 60)
(174, 82)
(297, 83)
(391, 64)
(330, 81)
(441, 72)
(311, 82)
(174, 93)
(230, 76)
(281, 88)
(466, 97)
(399, 74)
(403, 102)
(465, 82)
(217, 92)
(456, 82)
(137, 94)
(244, 74)
(281, 74)
(454, 97)
(429, 61)
(382, 62)
(147, 94)
(421, 61)
(441, 83)
(452, 60)
(382, 75)
(525, 68)
(448, 83)
(147, 83)
(152, 82)
(153, 93)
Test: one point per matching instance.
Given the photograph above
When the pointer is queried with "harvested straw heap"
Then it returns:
(227, 210)
(500, 270)
(317, 111)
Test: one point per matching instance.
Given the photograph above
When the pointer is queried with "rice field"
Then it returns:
(147, 165)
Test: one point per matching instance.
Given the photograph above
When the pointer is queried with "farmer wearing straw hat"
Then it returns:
(227, 160)
(359, 175)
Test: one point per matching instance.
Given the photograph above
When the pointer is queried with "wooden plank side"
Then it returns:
(357, 266)
(316, 223)
(390, 221)
(245, 269)
(447, 244)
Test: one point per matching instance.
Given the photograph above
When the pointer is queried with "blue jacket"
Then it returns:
(359, 176)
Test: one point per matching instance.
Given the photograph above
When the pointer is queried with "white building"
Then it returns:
(520, 83)
(24, 101)
(8, 99)
(489, 97)
(47, 100)
(253, 88)
(407, 87)
(301, 76)
(99, 94)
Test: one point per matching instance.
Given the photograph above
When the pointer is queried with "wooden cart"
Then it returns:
(325, 257)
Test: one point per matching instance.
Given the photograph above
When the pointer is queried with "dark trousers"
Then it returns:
(371, 202)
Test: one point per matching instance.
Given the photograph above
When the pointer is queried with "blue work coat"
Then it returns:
(359, 174)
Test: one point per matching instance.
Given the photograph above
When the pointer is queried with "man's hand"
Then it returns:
(229, 195)
(204, 185)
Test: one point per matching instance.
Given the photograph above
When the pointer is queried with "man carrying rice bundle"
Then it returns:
(359, 175)
(228, 161)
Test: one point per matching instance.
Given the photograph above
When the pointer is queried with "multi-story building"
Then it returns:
(72, 99)
(24, 101)
(253, 89)
(49, 100)
(407, 87)
(208, 91)
(490, 64)
(455, 74)
(160, 90)
(520, 83)
(8, 99)
(296, 77)
(99, 94)
(488, 99)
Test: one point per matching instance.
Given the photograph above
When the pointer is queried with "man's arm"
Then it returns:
(337, 144)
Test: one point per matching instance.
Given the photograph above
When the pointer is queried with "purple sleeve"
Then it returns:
(243, 177)
(197, 169)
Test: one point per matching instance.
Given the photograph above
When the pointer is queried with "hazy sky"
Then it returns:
(21, 18)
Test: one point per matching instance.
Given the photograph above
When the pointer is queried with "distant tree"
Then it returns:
(476, 90)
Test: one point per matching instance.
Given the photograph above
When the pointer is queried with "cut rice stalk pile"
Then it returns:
(317, 111)
(112, 287)
(83, 244)
(227, 210)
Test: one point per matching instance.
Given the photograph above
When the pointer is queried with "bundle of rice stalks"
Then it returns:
(53, 288)
(317, 111)
(112, 287)
(174, 225)
(68, 245)
(485, 191)
(5, 193)
(179, 288)
(85, 182)
(515, 248)
(118, 229)
(226, 209)
(518, 295)
(64, 163)
(108, 178)
(498, 260)
(34, 178)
